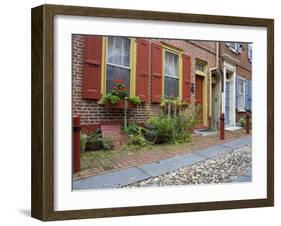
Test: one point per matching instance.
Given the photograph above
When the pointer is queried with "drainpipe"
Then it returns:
(210, 74)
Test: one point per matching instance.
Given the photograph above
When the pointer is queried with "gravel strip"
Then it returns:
(222, 168)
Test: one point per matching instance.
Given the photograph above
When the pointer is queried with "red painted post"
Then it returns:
(210, 122)
(247, 123)
(222, 126)
(76, 144)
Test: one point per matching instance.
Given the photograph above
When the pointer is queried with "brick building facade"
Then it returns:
(198, 67)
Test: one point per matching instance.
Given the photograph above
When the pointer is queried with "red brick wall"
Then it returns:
(92, 114)
(244, 67)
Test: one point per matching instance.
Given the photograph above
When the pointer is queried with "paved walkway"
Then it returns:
(104, 161)
(134, 174)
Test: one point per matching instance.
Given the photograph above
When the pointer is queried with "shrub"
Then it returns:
(138, 140)
(161, 127)
(184, 122)
(134, 100)
(164, 128)
(133, 129)
(242, 122)
(107, 143)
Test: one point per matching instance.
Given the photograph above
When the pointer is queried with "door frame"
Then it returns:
(205, 101)
(232, 69)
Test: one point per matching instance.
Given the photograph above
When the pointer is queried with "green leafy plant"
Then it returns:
(159, 129)
(176, 129)
(110, 98)
(94, 137)
(242, 122)
(137, 140)
(107, 143)
(119, 89)
(133, 129)
(135, 100)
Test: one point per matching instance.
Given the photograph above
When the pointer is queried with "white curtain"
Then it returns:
(118, 51)
(171, 64)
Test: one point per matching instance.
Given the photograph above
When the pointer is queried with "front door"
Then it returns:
(199, 99)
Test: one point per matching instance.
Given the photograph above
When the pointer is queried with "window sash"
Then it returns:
(167, 88)
(250, 52)
(121, 53)
(171, 59)
(123, 68)
(200, 67)
(241, 94)
(173, 63)
(234, 46)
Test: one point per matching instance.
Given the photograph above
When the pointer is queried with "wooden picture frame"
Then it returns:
(43, 111)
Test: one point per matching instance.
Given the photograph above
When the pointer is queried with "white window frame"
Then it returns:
(172, 76)
(241, 109)
(250, 52)
(237, 47)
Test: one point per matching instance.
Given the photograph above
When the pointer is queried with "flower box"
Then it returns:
(120, 105)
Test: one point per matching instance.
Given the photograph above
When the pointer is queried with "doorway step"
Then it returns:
(233, 128)
(205, 132)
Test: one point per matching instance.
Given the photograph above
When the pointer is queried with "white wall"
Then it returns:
(15, 112)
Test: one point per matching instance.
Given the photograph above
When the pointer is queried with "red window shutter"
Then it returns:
(92, 67)
(186, 77)
(142, 68)
(156, 73)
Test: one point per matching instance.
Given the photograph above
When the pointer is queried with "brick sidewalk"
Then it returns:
(99, 162)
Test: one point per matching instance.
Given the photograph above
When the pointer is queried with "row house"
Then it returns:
(214, 75)
(231, 89)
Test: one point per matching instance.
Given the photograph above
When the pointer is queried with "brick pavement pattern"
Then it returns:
(96, 163)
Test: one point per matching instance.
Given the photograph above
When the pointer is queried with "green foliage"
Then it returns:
(107, 143)
(137, 140)
(118, 92)
(94, 137)
(133, 129)
(167, 129)
(83, 141)
(170, 100)
(184, 122)
(134, 100)
(242, 122)
(161, 127)
(119, 89)
(110, 98)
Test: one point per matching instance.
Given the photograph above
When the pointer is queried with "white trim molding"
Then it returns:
(229, 66)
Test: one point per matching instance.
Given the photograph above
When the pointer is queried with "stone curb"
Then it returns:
(131, 175)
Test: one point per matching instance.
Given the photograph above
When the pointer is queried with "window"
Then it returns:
(250, 52)
(200, 67)
(171, 74)
(241, 94)
(234, 46)
(118, 65)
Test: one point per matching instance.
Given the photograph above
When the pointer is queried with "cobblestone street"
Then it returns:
(223, 168)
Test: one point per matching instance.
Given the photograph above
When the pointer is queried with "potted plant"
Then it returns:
(118, 97)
